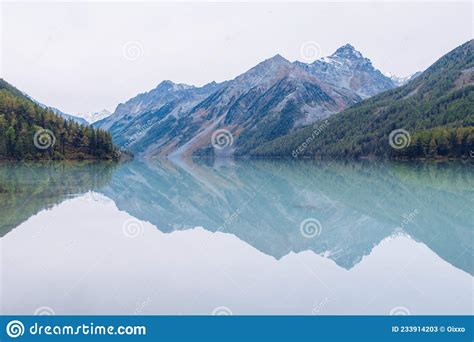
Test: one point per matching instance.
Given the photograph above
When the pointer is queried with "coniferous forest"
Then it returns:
(30, 132)
(434, 114)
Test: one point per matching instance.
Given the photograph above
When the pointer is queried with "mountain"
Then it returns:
(77, 119)
(151, 118)
(30, 131)
(399, 81)
(347, 68)
(432, 115)
(269, 100)
(80, 121)
(96, 116)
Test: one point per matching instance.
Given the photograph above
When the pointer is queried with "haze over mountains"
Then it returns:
(270, 100)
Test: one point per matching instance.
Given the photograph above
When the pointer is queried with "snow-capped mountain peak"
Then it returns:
(95, 116)
(347, 68)
(399, 81)
(347, 51)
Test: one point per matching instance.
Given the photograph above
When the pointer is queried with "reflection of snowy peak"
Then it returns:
(230, 199)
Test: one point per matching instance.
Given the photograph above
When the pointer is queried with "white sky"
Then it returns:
(71, 55)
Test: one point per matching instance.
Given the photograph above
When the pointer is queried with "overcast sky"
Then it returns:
(84, 57)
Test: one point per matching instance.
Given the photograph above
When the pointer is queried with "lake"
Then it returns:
(237, 237)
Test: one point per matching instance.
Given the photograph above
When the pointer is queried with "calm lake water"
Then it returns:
(241, 237)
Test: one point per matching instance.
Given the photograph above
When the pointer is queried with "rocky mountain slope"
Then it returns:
(270, 100)
(432, 115)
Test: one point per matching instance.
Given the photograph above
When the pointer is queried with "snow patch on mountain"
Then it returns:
(400, 80)
(96, 116)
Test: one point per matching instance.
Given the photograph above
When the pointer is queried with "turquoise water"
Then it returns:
(252, 237)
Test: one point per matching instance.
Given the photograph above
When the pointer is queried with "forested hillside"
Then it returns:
(431, 116)
(28, 131)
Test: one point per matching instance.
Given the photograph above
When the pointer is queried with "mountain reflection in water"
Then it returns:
(264, 202)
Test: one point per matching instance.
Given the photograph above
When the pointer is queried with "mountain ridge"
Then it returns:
(30, 131)
(269, 100)
(59, 112)
(434, 111)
